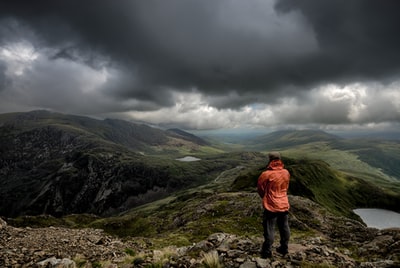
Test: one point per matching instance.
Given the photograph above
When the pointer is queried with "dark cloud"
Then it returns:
(129, 84)
(232, 53)
(4, 81)
(220, 46)
(358, 39)
(214, 46)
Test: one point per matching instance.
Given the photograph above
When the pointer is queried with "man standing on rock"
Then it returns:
(272, 187)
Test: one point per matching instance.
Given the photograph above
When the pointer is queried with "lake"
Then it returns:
(379, 218)
(188, 159)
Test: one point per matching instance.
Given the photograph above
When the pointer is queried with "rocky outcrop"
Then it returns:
(27, 247)
(328, 241)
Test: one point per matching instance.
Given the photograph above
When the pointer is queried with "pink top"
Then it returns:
(272, 187)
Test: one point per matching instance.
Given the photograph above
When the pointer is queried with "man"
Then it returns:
(272, 187)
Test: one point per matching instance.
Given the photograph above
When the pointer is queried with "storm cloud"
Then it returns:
(204, 64)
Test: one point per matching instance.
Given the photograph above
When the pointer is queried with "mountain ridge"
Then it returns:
(132, 135)
(288, 138)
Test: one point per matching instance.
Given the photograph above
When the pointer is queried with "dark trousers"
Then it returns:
(270, 219)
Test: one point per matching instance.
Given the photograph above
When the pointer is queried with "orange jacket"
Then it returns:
(272, 187)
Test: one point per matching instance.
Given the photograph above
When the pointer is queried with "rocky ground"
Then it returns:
(340, 243)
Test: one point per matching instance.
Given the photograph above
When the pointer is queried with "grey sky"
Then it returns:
(205, 64)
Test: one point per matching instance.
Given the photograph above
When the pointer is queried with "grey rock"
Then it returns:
(57, 263)
(3, 223)
(248, 264)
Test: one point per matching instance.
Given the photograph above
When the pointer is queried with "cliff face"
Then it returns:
(319, 239)
(49, 171)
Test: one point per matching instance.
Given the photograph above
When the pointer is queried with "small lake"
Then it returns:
(379, 218)
(188, 159)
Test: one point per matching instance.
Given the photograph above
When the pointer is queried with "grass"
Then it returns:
(305, 264)
(80, 262)
(130, 252)
(347, 160)
(211, 260)
(184, 220)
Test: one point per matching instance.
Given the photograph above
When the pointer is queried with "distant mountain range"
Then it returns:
(290, 138)
(351, 154)
(130, 135)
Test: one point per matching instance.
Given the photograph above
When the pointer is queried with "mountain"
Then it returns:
(377, 158)
(384, 155)
(175, 132)
(290, 138)
(133, 136)
(59, 164)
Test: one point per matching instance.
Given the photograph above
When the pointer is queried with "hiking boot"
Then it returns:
(282, 251)
(266, 254)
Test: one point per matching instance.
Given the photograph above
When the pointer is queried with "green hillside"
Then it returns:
(381, 154)
(338, 191)
(289, 138)
(375, 160)
(230, 204)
